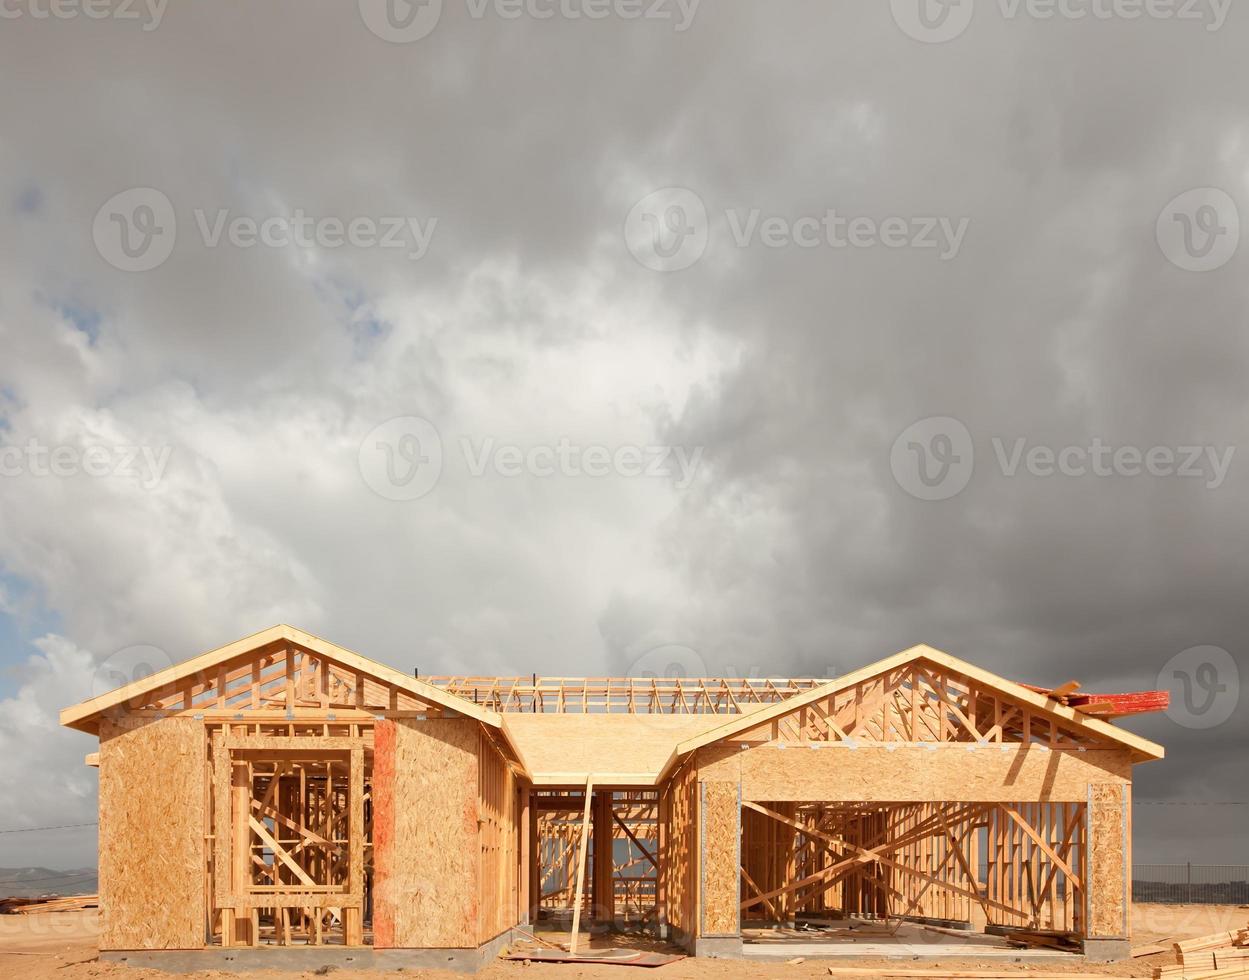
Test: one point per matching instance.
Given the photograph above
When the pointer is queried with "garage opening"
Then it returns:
(993, 878)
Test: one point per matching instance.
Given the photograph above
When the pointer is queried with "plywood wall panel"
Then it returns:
(1107, 862)
(427, 893)
(912, 773)
(383, 788)
(152, 826)
(720, 832)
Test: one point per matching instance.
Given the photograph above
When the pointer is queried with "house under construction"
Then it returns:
(283, 792)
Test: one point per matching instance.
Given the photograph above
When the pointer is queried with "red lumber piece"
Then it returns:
(1106, 705)
(1134, 703)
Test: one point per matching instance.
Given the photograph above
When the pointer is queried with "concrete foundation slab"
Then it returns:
(719, 947)
(306, 959)
(1106, 950)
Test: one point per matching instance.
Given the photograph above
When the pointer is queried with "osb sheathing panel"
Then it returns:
(603, 744)
(152, 829)
(912, 773)
(1107, 862)
(383, 789)
(426, 864)
(721, 835)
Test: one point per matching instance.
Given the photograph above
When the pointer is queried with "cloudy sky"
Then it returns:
(586, 336)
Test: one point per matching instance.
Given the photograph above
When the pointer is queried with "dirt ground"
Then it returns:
(62, 946)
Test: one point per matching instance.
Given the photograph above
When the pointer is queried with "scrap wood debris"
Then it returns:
(1220, 956)
(26, 905)
(616, 957)
(1044, 940)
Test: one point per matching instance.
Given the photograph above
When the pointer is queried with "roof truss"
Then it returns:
(923, 695)
(282, 670)
(625, 695)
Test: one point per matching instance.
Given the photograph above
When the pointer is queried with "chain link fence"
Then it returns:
(1198, 884)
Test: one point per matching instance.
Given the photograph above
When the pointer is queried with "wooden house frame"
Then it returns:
(282, 791)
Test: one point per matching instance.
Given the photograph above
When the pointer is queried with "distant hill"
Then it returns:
(46, 881)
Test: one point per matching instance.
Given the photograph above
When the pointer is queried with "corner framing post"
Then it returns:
(353, 915)
(241, 843)
(222, 877)
(604, 859)
(526, 857)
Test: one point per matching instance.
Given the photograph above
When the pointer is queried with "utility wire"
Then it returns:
(63, 826)
(1191, 802)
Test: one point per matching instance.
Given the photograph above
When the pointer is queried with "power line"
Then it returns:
(1191, 802)
(63, 826)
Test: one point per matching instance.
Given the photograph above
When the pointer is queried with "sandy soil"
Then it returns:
(62, 946)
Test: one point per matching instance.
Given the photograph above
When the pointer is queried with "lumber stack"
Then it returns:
(1220, 956)
(49, 903)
